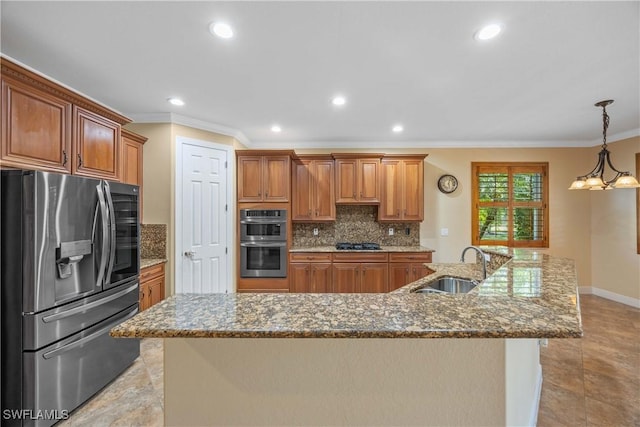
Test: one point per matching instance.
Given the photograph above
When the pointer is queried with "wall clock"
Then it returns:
(447, 184)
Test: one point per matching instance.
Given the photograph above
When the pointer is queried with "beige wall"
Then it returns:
(568, 234)
(569, 211)
(159, 176)
(597, 229)
(615, 265)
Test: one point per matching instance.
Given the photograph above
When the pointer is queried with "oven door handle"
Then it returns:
(263, 221)
(263, 244)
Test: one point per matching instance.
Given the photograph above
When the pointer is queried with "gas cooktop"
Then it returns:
(342, 246)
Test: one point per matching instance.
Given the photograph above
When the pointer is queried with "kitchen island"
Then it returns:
(356, 374)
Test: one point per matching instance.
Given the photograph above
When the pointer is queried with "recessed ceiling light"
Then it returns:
(397, 128)
(221, 29)
(339, 100)
(488, 32)
(276, 128)
(176, 101)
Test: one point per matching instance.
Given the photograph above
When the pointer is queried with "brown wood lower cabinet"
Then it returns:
(407, 267)
(310, 272)
(151, 286)
(355, 272)
(360, 272)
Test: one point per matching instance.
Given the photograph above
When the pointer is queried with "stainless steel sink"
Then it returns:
(448, 285)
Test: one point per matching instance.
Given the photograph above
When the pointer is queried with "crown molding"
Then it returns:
(390, 144)
(179, 119)
(415, 144)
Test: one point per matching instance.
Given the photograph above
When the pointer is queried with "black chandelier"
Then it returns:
(595, 180)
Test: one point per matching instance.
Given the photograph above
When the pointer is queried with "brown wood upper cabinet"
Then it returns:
(402, 189)
(96, 144)
(36, 128)
(357, 178)
(132, 161)
(313, 198)
(48, 127)
(264, 176)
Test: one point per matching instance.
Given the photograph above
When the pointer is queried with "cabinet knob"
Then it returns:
(398, 213)
(259, 194)
(64, 157)
(79, 160)
(316, 213)
(309, 212)
(266, 194)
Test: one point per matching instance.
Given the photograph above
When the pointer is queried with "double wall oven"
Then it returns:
(263, 243)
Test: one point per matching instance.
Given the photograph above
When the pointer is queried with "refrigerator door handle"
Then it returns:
(105, 236)
(86, 307)
(112, 226)
(96, 334)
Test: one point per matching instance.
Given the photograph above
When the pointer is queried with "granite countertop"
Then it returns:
(382, 249)
(532, 295)
(150, 262)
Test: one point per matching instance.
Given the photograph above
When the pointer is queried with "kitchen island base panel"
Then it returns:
(245, 381)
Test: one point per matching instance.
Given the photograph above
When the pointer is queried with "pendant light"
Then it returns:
(595, 180)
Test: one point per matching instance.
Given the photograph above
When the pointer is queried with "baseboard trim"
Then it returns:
(533, 418)
(623, 299)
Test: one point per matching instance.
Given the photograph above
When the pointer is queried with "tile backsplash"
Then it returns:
(356, 223)
(153, 243)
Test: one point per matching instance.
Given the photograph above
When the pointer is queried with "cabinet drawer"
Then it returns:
(410, 257)
(310, 257)
(360, 257)
(151, 272)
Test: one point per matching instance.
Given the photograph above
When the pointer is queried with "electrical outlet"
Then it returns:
(444, 231)
(315, 232)
(487, 257)
(390, 231)
(407, 231)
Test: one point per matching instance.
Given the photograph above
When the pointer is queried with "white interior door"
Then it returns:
(203, 241)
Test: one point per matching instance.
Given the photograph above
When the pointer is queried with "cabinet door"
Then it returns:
(156, 290)
(250, 179)
(345, 277)
(374, 277)
(320, 278)
(324, 202)
(346, 180)
(418, 271)
(368, 180)
(399, 275)
(413, 190)
(143, 304)
(132, 161)
(301, 183)
(391, 176)
(97, 146)
(276, 181)
(36, 129)
(298, 277)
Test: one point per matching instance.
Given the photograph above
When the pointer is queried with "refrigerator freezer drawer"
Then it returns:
(44, 328)
(64, 375)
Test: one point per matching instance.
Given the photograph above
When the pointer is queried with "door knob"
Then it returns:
(189, 254)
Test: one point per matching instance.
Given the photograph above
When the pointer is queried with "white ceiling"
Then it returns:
(414, 63)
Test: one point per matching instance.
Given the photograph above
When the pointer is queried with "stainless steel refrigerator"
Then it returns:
(70, 263)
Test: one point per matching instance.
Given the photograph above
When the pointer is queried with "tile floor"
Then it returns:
(593, 381)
